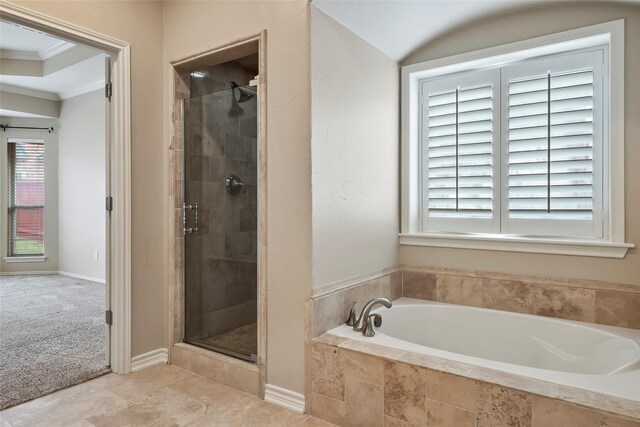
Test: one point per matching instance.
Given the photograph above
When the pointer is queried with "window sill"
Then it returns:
(590, 248)
(25, 259)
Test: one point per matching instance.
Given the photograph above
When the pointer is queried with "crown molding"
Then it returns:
(19, 54)
(29, 92)
(81, 90)
(55, 49)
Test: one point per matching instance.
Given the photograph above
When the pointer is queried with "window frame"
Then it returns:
(612, 244)
(12, 207)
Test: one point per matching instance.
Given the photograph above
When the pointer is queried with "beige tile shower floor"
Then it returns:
(162, 395)
(243, 339)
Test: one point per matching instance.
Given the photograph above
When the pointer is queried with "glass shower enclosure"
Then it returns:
(220, 210)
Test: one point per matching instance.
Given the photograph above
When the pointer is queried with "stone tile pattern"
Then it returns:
(236, 374)
(176, 199)
(355, 389)
(606, 307)
(332, 310)
(220, 140)
(161, 395)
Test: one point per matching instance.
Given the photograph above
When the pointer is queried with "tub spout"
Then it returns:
(364, 315)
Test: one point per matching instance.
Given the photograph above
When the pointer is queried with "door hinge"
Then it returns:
(108, 88)
(109, 203)
(109, 317)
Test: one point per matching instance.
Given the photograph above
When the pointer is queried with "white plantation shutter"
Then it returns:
(517, 149)
(459, 131)
(553, 146)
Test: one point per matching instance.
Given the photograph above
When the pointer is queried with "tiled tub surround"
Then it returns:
(601, 360)
(331, 308)
(610, 304)
(356, 383)
(586, 301)
(580, 300)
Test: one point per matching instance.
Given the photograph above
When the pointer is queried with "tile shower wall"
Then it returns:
(350, 388)
(221, 294)
(176, 198)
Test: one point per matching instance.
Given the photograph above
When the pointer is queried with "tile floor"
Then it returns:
(161, 395)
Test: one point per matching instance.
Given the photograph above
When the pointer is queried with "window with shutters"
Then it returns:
(516, 149)
(519, 147)
(26, 197)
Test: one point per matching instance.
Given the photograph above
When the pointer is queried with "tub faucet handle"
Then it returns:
(353, 317)
(374, 319)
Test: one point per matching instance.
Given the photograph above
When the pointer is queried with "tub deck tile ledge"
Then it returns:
(579, 396)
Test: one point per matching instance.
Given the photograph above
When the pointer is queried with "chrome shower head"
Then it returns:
(245, 94)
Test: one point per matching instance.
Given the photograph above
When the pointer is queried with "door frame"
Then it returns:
(118, 141)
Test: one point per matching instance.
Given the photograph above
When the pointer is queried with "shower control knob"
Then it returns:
(234, 185)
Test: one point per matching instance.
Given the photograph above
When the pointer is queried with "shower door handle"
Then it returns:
(189, 230)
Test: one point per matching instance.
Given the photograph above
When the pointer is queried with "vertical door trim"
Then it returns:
(119, 130)
(109, 209)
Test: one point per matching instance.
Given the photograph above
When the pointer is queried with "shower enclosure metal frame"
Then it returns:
(176, 331)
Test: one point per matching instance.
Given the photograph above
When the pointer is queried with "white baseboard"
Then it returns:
(79, 276)
(286, 398)
(62, 273)
(26, 273)
(154, 357)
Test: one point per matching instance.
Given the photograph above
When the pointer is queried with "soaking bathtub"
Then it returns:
(597, 358)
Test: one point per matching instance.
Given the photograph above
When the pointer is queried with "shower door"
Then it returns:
(220, 221)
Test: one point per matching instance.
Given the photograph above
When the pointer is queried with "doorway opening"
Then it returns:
(54, 229)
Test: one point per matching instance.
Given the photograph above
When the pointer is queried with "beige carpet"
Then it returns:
(51, 335)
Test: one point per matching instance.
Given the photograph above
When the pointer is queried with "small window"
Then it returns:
(517, 146)
(26, 197)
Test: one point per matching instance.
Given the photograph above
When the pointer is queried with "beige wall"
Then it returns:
(523, 25)
(354, 92)
(192, 27)
(81, 185)
(50, 192)
(140, 24)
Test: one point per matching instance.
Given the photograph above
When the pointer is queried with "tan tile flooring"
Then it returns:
(161, 395)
